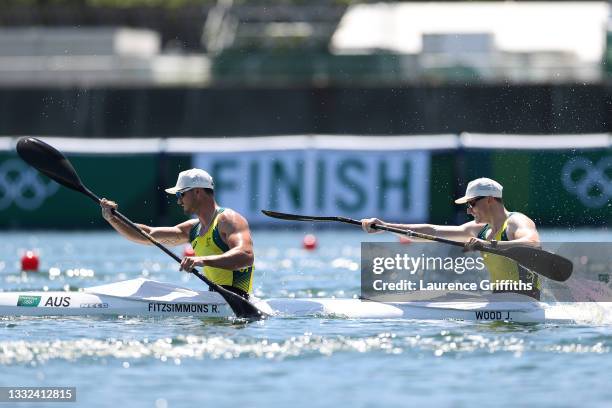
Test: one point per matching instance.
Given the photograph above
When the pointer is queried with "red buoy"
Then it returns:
(29, 262)
(188, 251)
(309, 242)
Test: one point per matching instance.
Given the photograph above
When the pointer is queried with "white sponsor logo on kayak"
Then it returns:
(94, 305)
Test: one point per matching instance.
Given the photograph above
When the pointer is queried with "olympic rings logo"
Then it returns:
(591, 183)
(23, 186)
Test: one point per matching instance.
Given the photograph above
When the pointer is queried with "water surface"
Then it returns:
(298, 362)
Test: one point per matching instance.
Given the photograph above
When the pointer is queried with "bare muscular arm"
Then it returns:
(177, 235)
(457, 232)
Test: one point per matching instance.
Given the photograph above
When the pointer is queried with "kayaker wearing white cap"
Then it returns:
(493, 226)
(220, 237)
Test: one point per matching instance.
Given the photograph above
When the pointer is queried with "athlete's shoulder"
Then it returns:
(229, 216)
(520, 226)
(519, 219)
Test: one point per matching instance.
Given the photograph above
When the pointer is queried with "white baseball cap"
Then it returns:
(481, 187)
(192, 178)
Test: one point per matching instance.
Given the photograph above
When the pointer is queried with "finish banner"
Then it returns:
(393, 185)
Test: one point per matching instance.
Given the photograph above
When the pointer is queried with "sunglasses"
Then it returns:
(472, 203)
(180, 194)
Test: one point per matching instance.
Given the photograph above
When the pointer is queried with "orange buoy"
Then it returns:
(188, 251)
(30, 262)
(309, 242)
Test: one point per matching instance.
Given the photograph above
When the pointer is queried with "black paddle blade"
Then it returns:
(545, 263)
(296, 217)
(49, 161)
(244, 309)
(284, 216)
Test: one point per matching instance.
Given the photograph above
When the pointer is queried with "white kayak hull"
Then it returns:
(136, 297)
(143, 297)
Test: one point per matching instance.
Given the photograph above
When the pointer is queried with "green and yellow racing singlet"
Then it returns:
(211, 243)
(501, 268)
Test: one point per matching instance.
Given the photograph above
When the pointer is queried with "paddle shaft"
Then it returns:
(421, 235)
(540, 261)
(400, 231)
(407, 232)
(415, 234)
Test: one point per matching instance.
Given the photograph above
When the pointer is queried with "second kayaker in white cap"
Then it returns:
(493, 226)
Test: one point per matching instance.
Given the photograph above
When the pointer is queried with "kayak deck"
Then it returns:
(143, 297)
